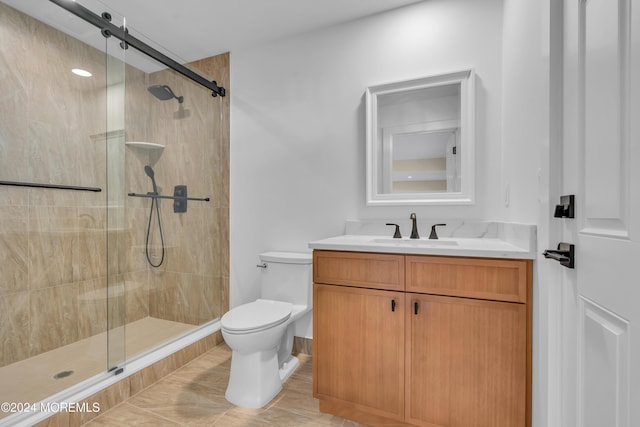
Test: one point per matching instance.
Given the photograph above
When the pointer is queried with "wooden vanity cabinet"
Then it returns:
(424, 354)
(359, 348)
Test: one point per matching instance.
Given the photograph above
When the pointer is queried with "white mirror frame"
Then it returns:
(375, 195)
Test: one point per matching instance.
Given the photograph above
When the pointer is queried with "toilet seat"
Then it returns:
(256, 316)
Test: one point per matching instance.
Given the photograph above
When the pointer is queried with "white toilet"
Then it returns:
(260, 333)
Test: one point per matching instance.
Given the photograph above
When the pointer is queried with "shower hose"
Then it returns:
(154, 201)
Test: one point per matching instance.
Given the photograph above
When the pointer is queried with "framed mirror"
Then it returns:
(420, 141)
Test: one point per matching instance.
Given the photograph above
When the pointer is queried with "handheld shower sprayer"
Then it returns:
(149, 171)
(154, 201)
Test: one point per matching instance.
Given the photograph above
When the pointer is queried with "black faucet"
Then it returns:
(414, 228)
(434, 235)
(397, 234)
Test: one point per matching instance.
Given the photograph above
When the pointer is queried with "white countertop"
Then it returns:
(510, 241)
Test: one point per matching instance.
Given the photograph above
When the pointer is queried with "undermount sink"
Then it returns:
(414, 242)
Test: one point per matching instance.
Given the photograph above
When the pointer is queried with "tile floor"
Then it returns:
(194, 396)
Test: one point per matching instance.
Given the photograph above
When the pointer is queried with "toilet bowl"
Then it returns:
(260, 333)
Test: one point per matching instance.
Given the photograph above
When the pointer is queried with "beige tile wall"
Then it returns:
(53, 259)
(188, 286)
(52, 250)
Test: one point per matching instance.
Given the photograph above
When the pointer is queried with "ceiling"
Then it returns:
(193, 29)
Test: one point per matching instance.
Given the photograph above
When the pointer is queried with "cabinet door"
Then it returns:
(358, 348)
(465, 362)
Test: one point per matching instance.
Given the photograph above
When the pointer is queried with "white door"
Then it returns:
(601, 166)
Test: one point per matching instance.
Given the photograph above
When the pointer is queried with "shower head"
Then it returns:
(164, 92)
(150, 174)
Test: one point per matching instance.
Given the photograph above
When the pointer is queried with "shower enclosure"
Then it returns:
(79, 297)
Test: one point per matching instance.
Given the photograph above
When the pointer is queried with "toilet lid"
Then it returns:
(260, 314)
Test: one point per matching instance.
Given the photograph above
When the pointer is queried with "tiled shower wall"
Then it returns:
(188, 286)
(53, 261)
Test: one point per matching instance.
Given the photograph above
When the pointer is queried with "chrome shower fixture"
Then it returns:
(164, 92)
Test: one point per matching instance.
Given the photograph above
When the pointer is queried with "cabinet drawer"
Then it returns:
(364, 270)
(483, 278)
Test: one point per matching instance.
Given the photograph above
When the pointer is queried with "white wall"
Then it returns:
(297, 133)
(527, 135)
(525, 104)
(298, 123)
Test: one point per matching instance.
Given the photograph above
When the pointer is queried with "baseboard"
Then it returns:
(302, 345)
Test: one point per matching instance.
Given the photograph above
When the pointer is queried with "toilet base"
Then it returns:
(288, 368)
(254, 379)
(260, 363)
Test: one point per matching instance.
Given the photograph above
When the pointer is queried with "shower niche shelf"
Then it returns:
(144, 145)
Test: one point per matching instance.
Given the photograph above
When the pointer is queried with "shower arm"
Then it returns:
(108, 29)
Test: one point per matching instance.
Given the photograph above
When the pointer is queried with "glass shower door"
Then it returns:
(115, 72)
(61, 140)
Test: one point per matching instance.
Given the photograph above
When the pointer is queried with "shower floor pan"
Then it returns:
(34, 379)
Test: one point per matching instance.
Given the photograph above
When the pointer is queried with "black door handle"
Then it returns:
(415, 307)
(565, 254)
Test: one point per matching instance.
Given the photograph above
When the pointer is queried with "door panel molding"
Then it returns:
(603, 134)
(603, 366)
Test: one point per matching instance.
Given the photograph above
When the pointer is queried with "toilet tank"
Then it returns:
(288, 277)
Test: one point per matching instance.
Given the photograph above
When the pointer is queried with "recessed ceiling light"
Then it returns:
(81, 72)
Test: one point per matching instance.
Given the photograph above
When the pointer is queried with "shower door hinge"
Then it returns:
(455, 149)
